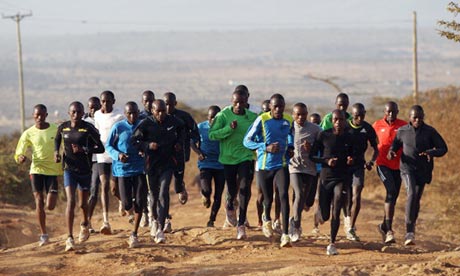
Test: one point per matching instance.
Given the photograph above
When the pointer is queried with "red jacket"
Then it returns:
(386, 133)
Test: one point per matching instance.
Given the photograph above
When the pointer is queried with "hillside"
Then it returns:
(202, 68)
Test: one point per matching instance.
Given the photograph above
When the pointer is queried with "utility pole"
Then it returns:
(17, 18)
(414, 59)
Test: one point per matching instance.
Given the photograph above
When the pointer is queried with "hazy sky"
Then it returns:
(93, 16)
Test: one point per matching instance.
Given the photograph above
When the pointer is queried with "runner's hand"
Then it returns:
(369, 165)
(273, 148)
(331, 162)
(57, 157)
(153, 146)
(234, 124)
(349, 160)
(428, 156)
(391, 155)
(22, 158)
(306, 146)
(123, 157)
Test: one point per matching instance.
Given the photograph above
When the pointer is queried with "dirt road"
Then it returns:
(193, 249)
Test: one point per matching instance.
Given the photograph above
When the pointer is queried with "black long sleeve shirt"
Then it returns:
(415, 141)
(330, 145)
(166, 134)
(190, 130)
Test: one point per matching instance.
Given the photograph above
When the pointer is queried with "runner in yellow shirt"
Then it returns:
(43, 169)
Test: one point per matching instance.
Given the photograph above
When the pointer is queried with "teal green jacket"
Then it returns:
(232, 150)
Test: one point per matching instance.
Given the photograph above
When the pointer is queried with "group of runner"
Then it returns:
(138, 153)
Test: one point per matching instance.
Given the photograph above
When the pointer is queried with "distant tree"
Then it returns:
(451, 28)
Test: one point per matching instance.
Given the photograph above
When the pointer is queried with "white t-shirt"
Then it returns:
(104, 122)
(91, 121)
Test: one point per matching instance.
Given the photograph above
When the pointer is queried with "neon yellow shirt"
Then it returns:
(42, 143)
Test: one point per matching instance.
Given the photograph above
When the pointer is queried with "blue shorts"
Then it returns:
(74, 180)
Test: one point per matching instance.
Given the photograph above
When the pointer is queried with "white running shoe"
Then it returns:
(44, 239)
(410, 238)
(133, 241)
(69, 244)
(351, 235)
(296, 234)
(390, 237)
(90, 228)
(277, 227)
(160, 236)
(106, 229)
(267, 229)
(331, 250)
(285, 241)
(241, 232)
(168, 226)
(154, 228)
(144, 220)
(84, 233)
(315, 231)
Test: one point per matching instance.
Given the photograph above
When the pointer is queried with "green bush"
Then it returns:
(14, 178)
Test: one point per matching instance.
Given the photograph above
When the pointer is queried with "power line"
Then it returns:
(220, 24)
(17, 18)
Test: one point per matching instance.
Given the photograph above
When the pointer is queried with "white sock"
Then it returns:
(105, 216)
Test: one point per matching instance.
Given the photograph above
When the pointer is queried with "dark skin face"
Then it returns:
(211, 115)
(170, 104)
(338, 121)
(131, 113)
(358, 115)
(416, 118)
(147, 101)
(299, 114)
(342, 103)
(391, 112)
(277, 108)
(239, 103)
(159, 111)
(93, 106)
(40, 118)
(76, 112)
(315, 120)
(265, 107)
(107, 103)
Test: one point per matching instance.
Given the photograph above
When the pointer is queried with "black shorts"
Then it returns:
(38, 182)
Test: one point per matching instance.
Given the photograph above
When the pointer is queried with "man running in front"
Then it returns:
(420, 143)
(229, 127)
(333, 148)
(388, 170)
(43, 169)
(270, 135)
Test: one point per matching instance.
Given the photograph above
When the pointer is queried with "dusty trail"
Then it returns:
(193, 249)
